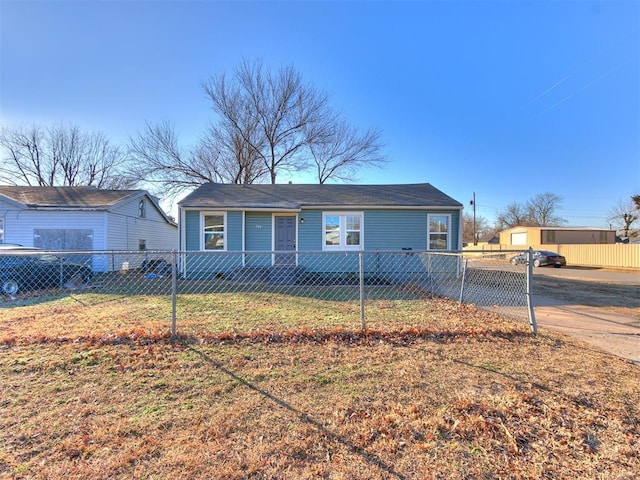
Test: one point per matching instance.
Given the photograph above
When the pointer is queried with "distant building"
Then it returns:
(522, 236)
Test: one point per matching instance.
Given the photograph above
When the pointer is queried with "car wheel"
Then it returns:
(536, 263)
(10, 287)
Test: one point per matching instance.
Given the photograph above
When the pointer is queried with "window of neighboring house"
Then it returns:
(439, 232)
(213, 231)
(142, 208)
(1, 230)
(142, 244)
(342, 231)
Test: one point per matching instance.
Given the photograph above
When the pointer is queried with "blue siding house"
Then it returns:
(249, 225)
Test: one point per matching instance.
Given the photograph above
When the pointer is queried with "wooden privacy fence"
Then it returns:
(617, 255)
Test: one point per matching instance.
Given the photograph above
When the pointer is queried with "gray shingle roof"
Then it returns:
(74, 198)
(296, 196)
(65, 197)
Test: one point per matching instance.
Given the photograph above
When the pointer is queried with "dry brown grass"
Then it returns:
(616, 298)
(436, 391)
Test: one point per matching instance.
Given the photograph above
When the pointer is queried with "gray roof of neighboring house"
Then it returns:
(66, 197)
(296, 196)
(72, 198)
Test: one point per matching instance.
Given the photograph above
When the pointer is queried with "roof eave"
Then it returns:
(385, 207)
(13, 202)
(68, 209)
(318, 207)
(211, 208)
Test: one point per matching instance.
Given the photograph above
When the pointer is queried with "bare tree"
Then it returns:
(158, 159)
(542, 208)
(514, 215)
(26, 160)
(540, 211)
(288, 123)
(482, 228)
(239, 160)
(623, 215)
(342, 151)
(636, 200)
(60, 156)
(286, 114)
(265, 124)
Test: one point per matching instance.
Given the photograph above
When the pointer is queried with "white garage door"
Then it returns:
(519, 238)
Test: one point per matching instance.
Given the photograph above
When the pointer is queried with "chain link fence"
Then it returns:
(214, 291)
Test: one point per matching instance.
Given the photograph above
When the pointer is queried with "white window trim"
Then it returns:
(224, 231)
(343, 233)
(449, 225)
(1, 230)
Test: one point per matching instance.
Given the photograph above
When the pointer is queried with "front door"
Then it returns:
(285, 240)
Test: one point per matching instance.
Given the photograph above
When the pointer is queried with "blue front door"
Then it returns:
(285, 240)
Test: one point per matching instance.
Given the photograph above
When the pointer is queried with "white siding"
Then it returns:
(127, 228)
(119, 229)
(20, 224)
(124, 229)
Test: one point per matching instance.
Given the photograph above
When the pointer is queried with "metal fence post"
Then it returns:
(363, 324)
(61, 272)
(529, 292)
(174, 291)
(432, 288)
(464, 274)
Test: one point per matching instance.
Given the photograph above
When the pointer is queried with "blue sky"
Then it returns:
(504, 99)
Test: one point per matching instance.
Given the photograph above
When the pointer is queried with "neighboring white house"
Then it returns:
(84, 218)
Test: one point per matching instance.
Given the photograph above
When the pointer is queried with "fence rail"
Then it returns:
(348, 281)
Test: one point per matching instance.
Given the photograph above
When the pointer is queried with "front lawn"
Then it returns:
(293, 389)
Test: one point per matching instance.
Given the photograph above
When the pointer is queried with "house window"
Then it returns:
(142, 209)
(342, 231)
(438, 234)
(142, 244)
(213, 231)
(1, 230)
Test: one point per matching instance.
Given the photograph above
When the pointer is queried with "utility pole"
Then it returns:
(473, 204)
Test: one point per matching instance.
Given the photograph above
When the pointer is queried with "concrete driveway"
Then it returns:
(614, 333)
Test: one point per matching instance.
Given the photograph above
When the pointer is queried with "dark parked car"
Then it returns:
(25, 268)
(541, 258)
